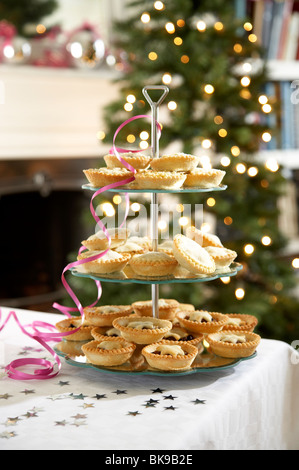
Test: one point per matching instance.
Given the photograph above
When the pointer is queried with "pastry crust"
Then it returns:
(104, 315)
(99, 177)
(167, 308)
(201, 178)
(108, 263)
(99, 241)
(149, 179)
(135, 329)
(228, 349)
(168, 361)
(192, 256)
(175, 162)
(223, 257)
(131, 249)
(188, 321)
(166, 247)
(179, 334)
(121, 352)
(153, 264)
(203, 238)
(144, 242)
(71, 324)
(101, 333)
(240, 322)
(137, 161)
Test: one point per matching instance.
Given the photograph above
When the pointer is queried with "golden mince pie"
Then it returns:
(136, 160)
(100, 333)
(131, 248)
(109, 262)
(99, 177)
(99, 241)
(167, 308)
(148, 179)
(72, 324)
(200, 178)
(201, 321)
(240, 322)
(203, 238)
(167, 355)
(175, 162)
(233, 344)
(178, 334)
(104, 315)
(191, 256)
(223, 257)
(142, 330)
(166, 247)
(144, 242)
(153, 264)
(109, 352)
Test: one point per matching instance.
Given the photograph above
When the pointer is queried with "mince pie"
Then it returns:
(99, 177)
(109, 352)
(106, 263)
(175, 162)
(137, 161)
(240, 322)
(201, 321)
(223, 257)
(104, 315)
(153, 264)
(99, 241)
(149, 179)
(142, 330)
(168, 355)
(233, 344)
(205, 179)
(191, 256)
(203, 238)
(167, 308)
(72, 324)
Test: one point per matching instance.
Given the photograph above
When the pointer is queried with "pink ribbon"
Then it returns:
(47, 369)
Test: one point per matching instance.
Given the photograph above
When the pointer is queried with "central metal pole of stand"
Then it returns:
(154, 196)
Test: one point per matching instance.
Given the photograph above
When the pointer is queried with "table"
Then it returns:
(252, 406)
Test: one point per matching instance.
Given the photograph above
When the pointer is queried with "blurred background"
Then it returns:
(71, 71)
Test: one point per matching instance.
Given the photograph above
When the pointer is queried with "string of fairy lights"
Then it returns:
(241, 168)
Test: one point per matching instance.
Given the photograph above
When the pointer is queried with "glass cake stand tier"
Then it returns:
(125, 277)
(204, 362)
(123, 189)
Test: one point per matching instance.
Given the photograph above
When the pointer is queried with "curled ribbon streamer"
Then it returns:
(47, 371)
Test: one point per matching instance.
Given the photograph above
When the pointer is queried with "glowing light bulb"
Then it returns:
(153, 55)
(218, 26)
(263, 99)
(159, 5)
(248, 249)
(183, 221)
(172, 105)
(266, 136)
(252, 171)
(178, 41)
(131, 98)
(225, 280)
(206, 143)
(235, 151)
(225, 161)
(144, 135)
(170, 28)
(128, 107)
(295, 263)
(201, 26)
(266, 240)
(211, 202)
(267, 108)
(240, 293)
(245, 81)
(145, 18)
(108, 209)
(247, 26)
(209, 89)
(131, 138)
(135, 206)
(167, 78)
(222, 132)
(241, 168)
(272, 165)
(117, 199)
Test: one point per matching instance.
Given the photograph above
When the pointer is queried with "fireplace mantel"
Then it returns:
(52, 113)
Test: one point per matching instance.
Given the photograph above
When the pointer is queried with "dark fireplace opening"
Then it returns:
(41, 226)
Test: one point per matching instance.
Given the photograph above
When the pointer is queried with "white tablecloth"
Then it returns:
(253, 406)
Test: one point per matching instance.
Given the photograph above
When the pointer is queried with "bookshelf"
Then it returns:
(276, 26)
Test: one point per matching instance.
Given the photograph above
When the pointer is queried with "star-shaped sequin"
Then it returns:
(12, 421)
(28, 392)
(99, 397)
(120, 392)
(134, 413)
(169, 397)
(169, 408)
(88, 405)
(63, 384)
(60, 423)
(6, 396)
(199, 402)
(78, 416)
(7, 435)
(78, 397)
(157, 390)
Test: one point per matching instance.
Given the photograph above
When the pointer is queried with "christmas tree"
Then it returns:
(217, 107)
(21, 13)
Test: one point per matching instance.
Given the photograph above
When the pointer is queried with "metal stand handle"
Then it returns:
(154, 198)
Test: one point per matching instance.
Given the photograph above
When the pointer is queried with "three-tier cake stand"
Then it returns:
(214, 363)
